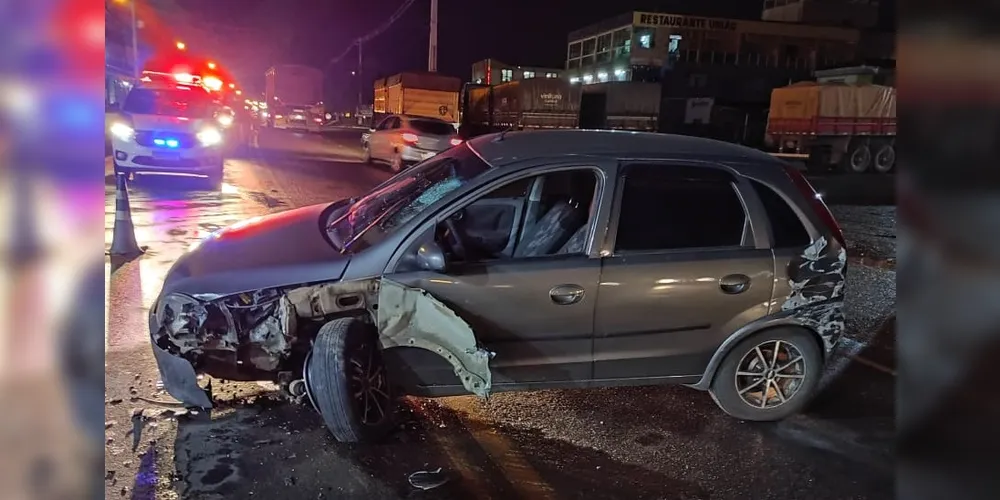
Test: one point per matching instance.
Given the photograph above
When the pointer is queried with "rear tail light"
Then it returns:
(456, 142)
(817, 203)
(411, 138)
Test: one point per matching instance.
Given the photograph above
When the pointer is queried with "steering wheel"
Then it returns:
(454, 240)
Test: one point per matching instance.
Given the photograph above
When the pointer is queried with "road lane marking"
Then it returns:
(522, 476)
(871, 364)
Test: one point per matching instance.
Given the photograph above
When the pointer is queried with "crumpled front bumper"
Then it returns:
(177, 374)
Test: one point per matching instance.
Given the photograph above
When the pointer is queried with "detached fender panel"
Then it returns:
(411, 317)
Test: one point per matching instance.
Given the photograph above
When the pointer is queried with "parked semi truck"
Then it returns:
(834, 124)
(620, 106)
(294, 96)
(534, 103)
(418, 94)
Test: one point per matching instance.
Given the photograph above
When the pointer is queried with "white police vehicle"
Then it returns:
(169, 128)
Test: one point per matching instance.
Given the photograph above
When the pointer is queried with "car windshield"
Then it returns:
(403, 197)
(187, 103)
(432, 127)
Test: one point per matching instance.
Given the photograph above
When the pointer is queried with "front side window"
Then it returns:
(506, 224)
(403, 197)
(670, 207)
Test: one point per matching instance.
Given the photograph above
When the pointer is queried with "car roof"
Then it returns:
(506, 148)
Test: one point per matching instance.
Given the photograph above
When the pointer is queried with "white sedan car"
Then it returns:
(401, 140)
(168, 130)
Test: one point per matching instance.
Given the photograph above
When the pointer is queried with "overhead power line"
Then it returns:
(376, 32)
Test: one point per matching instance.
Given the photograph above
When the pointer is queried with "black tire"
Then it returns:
(885, 159)
(858, 160)
(333, 390)
(727, 395)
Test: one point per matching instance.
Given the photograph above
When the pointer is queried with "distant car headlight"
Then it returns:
(122, 131)
(209, 137)
(225, 120)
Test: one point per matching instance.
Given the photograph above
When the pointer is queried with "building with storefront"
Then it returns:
(728, 66)
(637, 46)
(492, 71)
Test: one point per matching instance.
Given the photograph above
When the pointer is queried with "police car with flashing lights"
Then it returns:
(169, 128)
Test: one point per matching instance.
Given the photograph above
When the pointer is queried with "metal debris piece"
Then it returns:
(428, 479)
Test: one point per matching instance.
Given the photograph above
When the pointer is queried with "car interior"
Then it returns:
(543, 215)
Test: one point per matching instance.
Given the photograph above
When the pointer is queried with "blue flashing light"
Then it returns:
(170, 143)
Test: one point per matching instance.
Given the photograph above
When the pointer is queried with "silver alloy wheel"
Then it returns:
(305, 377)
(770, 374)
(369, 386)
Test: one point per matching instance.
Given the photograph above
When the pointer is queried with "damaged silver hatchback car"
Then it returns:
(520, 261)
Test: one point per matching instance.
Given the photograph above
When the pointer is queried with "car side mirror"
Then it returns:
(430, 257)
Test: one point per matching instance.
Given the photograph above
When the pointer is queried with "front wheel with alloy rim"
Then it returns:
(885, 159)
(768, 376)
(347, 383)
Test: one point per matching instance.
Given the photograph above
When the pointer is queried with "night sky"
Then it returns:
(525, 32)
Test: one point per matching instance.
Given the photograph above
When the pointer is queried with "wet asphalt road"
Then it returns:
(643, 442)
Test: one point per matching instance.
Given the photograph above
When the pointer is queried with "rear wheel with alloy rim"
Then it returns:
(366, 153)
(347, 383)
(397, 164)
(768, 376)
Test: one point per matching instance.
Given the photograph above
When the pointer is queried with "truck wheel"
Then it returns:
(885, 159)
(768, 376)
(859, 159)
(347, 382)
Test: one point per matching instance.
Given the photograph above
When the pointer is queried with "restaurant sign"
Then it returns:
(685, 22)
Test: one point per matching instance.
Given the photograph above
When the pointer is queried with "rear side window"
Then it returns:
(786, 227)
(432, 127)
(674, 207)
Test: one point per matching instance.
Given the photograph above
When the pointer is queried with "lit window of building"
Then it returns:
(506, 75)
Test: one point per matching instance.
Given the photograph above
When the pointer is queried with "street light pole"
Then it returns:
(432, 56)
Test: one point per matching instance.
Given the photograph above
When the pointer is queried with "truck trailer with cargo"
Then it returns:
(620, 106)
(294, 97)
(534, 103)
(834, 124)
(429, 95)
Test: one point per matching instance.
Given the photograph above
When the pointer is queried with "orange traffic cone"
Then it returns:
(123, 242)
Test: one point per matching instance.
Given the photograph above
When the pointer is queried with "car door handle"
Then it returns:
(565, 295)
(734, 283)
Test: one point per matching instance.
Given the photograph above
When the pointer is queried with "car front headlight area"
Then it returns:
(122, 131)
(210, 137)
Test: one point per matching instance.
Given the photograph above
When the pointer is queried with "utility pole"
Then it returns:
(432, 52)
(360, 80)
(135, 43)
